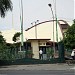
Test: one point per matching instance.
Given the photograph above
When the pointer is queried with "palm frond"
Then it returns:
(5, 5)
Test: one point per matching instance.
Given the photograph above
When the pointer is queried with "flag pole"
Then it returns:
(21, 19)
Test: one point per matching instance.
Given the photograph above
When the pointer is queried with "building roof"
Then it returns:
(44, 31)
(59, 21)
(38, 39)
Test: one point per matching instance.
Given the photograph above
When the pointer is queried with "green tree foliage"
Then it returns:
(2, 47)
(16, 36)
(69, 37)
(2, 40)
(5, 51)
(5, 5)
(49, 53)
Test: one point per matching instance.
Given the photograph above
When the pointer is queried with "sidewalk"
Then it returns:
(39, 67)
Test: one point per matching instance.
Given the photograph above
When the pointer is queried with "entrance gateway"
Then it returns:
(37, 44)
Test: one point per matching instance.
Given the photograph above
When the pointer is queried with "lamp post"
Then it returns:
(53, 28)
(56, 21)
(35, 27)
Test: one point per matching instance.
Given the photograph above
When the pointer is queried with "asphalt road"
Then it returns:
(40, 72)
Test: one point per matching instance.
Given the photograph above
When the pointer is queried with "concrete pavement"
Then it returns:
(57, 66)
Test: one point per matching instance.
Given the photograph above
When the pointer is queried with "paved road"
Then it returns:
(38, 67)
(36, 72)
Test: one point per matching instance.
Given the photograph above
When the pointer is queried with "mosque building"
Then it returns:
(40, 36)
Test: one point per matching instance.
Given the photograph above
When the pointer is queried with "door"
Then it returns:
(43, 48)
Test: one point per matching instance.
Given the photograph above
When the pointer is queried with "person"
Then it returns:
(41, 54)
(73, 54)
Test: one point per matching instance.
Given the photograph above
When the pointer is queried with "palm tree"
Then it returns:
(16, 36)
(5, 5)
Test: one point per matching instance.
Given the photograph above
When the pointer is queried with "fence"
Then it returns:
(68, 53)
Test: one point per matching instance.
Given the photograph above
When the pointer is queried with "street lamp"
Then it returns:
(53, 28)
(56, 20)
(35, 27)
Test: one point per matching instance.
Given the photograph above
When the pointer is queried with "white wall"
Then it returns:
(44, 30)
(35, 49)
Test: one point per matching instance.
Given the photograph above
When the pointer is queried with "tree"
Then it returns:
(3, 47)
(69, 37)
(16, 36)
(5, 50)
(5, 5)
(2, 40)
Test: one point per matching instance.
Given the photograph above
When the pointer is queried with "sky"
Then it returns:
(34, 10)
